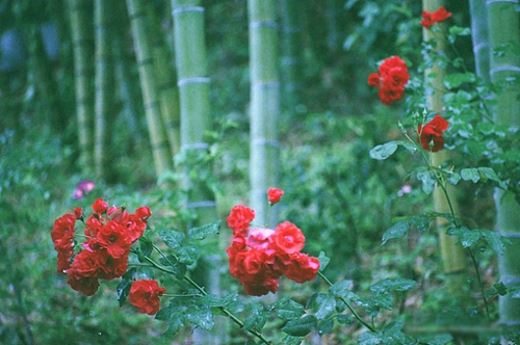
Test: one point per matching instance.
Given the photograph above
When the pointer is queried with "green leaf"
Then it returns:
(173, 264)
(256, 318)
(123, 288)
(459, 31)
(382, 152)
(192, 310)
(342, 289)
(455, 80)
(392, 284)
(325, 326)
(188, 255)
(441, 339)
(287, 309)
(487, 173)
(324, 260)
(145, 248)
(468, 238)
(470, 174)
(290, 340)
(326, 305)
(398, 230)
(172, 238)
(427, 179)
(204, 231)
(300, 327)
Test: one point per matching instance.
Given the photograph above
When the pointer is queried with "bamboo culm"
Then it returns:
(104, 81)
(83, 76)
(504, 37)
(193, 82)
(166, 83)
(265, 100)
(158, 141)
(452, 253)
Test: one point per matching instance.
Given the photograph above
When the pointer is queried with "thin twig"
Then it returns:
(352, 310)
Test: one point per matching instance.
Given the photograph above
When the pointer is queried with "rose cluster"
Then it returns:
(258, 257)
(109, 234)
(390, 80)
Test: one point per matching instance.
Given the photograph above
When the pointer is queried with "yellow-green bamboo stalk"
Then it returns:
(504, 39)
(452, 253)
(83, 76)
(104, 81)
(265, 99)
(159, 143)
(166, 82)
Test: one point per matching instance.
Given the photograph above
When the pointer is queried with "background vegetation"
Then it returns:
(328, 121)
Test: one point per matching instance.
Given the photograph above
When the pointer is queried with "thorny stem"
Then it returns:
(352, 310)
(203, 292)
(441, 183)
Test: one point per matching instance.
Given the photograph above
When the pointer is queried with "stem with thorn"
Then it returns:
(203, 292)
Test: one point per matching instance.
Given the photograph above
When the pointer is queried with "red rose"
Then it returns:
(261, 287)
(85, 264)
(144, 295)
(63, 262)
(86, 286)
(62, 233)
(391, 79)
(135, 226)
(430, 135)
(143, 212)
(92, 225)
(114, 237)
(373, 79)
(274, 195)
(288, 238)
(239, 219)
(99, 206)
(302, 268)
(78, 212)
(431, 18)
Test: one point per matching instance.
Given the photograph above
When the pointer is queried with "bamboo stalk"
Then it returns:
(291, 58)
(166, 83)
(137, 13)
(127, 94)
(193, 82)
(479, 35)
(452, 253)
(504, 38)
(265, 99)
(104, 81)
(81, 44)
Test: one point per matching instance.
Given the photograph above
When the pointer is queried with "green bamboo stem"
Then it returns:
(291, 52)
(127, 94)
(83, 79)
(190, 56)
(504, 38)
(265, 99)
(166, 82)
(159, 143)
(104, 81)
(452, 253)
(193, 82)
(479, 35)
